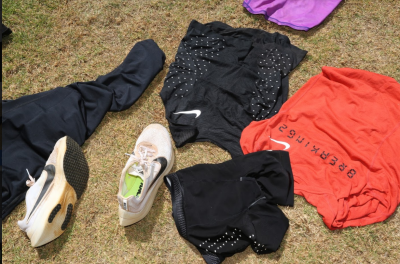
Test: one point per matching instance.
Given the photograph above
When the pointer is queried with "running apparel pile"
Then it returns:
(300, 15)
(342, 129)
(32, 124)
(223, 208)
(222, 79)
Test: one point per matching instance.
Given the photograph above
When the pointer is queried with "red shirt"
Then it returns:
(342, 130)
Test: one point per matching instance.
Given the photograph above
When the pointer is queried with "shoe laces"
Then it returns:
(141, 164)
(31, 180)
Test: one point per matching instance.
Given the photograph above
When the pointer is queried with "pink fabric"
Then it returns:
(297, 14)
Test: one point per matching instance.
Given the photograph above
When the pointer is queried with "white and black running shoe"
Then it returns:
(151, 160)
(50, 201)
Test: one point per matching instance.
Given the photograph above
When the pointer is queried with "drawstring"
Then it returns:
(31, 180)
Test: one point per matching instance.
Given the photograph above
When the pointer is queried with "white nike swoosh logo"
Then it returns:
(197, 112)
(287, 145)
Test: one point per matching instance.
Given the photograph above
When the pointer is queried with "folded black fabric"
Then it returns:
(222, 79)
(223, 208)
(5, 30)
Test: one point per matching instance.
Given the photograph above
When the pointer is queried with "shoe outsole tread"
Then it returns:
(67, 217)
(54, 213)
(76, 168)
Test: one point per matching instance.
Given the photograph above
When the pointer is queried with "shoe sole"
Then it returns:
(127, 218)
(70, 180)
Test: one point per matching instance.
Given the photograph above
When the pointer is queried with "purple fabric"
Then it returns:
(297, 14)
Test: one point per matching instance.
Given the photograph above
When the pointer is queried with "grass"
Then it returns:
(59, 42)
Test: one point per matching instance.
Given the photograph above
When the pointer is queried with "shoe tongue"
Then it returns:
(136, 170)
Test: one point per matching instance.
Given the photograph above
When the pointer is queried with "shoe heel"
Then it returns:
(127, 218)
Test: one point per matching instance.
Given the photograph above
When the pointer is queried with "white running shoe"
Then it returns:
(51, 200)
(143, 174)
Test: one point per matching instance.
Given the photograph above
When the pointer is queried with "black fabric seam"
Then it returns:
(177, 208)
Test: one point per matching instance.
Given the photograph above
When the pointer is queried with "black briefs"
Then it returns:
(223, 208)
(222, 79)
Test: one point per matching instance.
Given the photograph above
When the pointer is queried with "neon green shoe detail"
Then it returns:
(134, 185)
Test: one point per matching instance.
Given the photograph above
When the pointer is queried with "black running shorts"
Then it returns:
(223, 208)
(222, 79)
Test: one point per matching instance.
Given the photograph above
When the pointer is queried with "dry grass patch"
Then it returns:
(57, 43)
